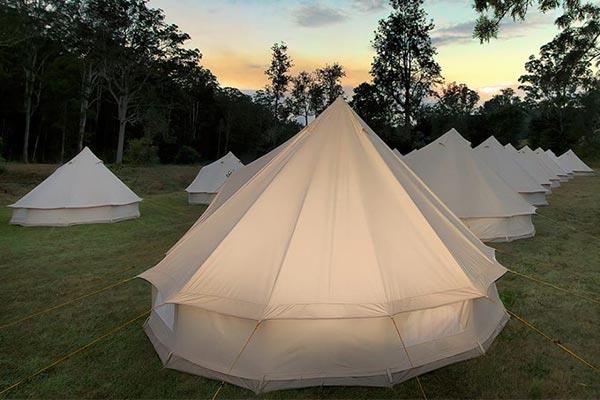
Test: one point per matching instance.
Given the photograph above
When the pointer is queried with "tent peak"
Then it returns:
(453, 136)
(489, 142)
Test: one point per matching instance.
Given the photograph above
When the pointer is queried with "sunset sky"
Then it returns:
(234, 37)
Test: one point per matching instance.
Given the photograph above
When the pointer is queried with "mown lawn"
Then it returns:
(42, 267)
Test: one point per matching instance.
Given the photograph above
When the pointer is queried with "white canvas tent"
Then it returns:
(82, 191)
(495, 156)
(554, 158)
(325, 262)
(210, 179)
(533, 168)
(570, 161)
(476, 194)
(563, 176)
(528, 154)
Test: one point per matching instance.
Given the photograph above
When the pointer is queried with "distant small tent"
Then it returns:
(82, 191)
(570, 161)
(554, 158)
(491, 209)
(533, 168)
(495, 156)
(210, 179)
(545, 159)
(527, 153)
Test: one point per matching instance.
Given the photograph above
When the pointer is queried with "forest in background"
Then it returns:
(115, 75)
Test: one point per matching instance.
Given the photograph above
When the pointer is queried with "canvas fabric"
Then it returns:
(81, 191)
(325, 262)
(473, 191)
(211, 177)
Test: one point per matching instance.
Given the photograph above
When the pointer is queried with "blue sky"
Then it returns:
(235, 36)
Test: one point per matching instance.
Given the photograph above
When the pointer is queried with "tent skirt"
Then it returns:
(74, 216)
(294, 353)
(501, 229)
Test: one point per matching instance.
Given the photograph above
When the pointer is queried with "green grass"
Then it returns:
(42, 267)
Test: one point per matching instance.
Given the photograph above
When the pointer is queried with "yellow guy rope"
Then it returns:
(17, 321)
(409, 359)
(549, 284)
(73, 353)
(555, 342)
(239, 354)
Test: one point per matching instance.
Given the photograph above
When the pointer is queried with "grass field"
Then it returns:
(42, 267)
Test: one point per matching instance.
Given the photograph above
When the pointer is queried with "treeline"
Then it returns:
(408, 104)
(115, 75)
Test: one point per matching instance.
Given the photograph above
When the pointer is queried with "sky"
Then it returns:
(235, 36)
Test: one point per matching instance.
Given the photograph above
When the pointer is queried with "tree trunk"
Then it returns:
(28, 111)
(63, 134)
(98, 101)
(123, 103)
(121, 143)
(27, 129)
(35, 146)
(83, 106)
(407, 106)
(86, 87)
(305, 116)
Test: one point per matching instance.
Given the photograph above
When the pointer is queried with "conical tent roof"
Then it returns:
(570, 160)
(529, 154)
(532, 167)
(495, 156)
(212, 176)
(549, 163)
(464, 182)
(318, 251)
(82, 182)
(554, 158)
(354, 199)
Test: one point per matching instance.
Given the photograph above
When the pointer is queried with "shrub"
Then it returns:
(141, 152)
(187, 155)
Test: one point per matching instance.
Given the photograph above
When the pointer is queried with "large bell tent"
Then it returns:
(325, 262)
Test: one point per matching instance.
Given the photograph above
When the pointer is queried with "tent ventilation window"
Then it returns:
(166, 312)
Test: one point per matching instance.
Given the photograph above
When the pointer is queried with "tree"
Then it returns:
(84, 40)
(457, 99)
(553, 81)
(37, 21)
(588, 122)
(404, 68)
(372, 107)
(299, 100)
(316, 97)
(505, 116)
(492, 13)
(139, 45)
(278, 75)
(329, 78)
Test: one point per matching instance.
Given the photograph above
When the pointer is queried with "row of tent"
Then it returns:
(493, 189)
(331, 261)
(85, 191)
